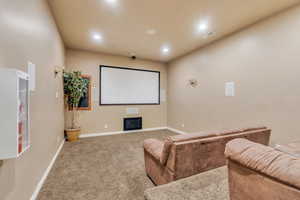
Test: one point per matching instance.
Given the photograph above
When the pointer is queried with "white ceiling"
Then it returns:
(123, 24)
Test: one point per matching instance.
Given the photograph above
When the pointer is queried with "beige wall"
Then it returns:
(94, 121)
(263, 61)
(28, 33)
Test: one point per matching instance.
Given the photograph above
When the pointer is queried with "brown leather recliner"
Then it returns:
(182, 156)
(258, 172)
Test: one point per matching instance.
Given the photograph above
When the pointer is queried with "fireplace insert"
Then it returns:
(134, 123)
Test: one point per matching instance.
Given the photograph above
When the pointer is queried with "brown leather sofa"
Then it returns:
(182, 156)
(260, 172)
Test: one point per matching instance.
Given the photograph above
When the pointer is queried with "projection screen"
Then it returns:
(127, 86)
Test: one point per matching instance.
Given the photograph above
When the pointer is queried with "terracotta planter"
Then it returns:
(72, 134)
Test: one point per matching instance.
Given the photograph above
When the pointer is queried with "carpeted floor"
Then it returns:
(210, 185)
(100, 168)
(112, 168)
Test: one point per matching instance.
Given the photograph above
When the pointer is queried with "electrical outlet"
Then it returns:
(57, 95)
(182, 125)
(105, 126)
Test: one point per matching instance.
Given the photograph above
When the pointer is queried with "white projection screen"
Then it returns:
(126, 86)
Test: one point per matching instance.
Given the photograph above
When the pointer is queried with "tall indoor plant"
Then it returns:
(75, 87)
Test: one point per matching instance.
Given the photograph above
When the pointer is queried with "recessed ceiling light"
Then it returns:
(202, 27)
(165, 49)
(97, 37)
(151, 32)
(111, 1)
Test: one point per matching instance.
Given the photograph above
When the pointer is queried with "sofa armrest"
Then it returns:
(154, 147)
(265, 160)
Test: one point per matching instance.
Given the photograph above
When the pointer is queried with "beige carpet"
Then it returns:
(210, 185)
(112, 168)
(100, 168)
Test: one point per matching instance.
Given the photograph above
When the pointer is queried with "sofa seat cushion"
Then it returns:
(210, 185)
(266, 160)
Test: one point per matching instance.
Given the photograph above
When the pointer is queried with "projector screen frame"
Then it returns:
(126, 68)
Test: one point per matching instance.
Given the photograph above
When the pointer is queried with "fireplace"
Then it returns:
(132, 123)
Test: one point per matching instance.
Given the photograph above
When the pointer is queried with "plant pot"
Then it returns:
(72, 134)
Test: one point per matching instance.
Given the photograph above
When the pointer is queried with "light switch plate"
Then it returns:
(229, 89)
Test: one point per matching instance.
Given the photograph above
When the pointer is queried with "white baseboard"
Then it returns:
(176, 131)
(44, 177)
(120, 132)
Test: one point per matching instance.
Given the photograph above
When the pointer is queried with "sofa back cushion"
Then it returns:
(243, 181)
(169, 141)
(193, 157)
(266, 160)
(201, 135)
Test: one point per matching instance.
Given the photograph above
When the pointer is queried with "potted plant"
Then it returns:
(75, 87)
